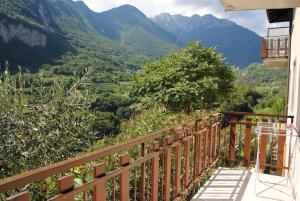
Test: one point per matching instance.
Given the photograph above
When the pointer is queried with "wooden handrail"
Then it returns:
(257, 114)
(21, 180)
(245, 146)
(47, 171)
(198, 138)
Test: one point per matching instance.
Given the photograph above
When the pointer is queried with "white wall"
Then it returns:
(294, 101)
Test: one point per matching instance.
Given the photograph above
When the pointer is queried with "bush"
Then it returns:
(193, 78)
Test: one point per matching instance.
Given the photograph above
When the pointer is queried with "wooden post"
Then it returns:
(167, 169)
(278, 47)
(155, 173)
(214, 133)
(280, 154)
(143, 168)
(219, 126)
(99, 189)
(200, 152)
(124, 178)
(263, 148)
(264, 49)
(247, 143)
(204, 161)
(178, 166)
(286, 47)
(233, 122)
(209, 124)
(24, 196)
(65, 185)
(271, 48)
(187, 158)
(196, 150)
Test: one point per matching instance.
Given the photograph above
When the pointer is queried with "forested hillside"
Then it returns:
(130, 27)
(264, 88)
(39, 32)
(239, 45)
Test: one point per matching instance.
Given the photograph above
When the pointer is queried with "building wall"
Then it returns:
(293, 144)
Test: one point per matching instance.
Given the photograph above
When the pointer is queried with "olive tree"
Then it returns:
(196, 77)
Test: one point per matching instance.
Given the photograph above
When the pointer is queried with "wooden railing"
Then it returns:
(275, 47)
(165, 165)
(241, 138)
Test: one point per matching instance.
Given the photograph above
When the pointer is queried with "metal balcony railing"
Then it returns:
(164, 165)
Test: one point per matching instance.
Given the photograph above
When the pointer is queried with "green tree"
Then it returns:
(193, 78)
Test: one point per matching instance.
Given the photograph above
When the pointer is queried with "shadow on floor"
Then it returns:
(225, 184)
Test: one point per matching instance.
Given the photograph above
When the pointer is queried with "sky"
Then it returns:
(253, 20)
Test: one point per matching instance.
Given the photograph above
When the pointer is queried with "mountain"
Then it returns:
(38, 32)
(60, 32)
(239, 45)
(28, 34)
(129, 26)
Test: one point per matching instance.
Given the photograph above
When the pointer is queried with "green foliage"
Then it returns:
(41, 125)
(147, 121)
(257, 75)
(193, 78)
(279, 107)
(46, 118)
(242, 100)
(270, 83)
(119, 105)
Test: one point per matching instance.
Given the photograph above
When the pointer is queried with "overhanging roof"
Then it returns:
(231, 5)
(279, 15)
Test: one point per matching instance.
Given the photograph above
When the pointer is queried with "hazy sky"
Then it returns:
(253, 20)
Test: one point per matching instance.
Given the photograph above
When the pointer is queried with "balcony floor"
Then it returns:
(242, 185)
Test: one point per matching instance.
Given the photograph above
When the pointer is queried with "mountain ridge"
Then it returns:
(66, 26)
(214, 32)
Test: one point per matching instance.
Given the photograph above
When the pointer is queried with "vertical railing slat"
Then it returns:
(167, 169)
(187, 158)
(263, 148)
(280, 154)
(264, 48)
(278, 47)
(271, 47)
(178, 166)
(155, 173)
(124, 178)
(286, 47)
(247, 143)
(200, 146)
(196, 151)
(219, 127)
(204, 158)
(143, 167)
(233, 122)
(99, 189)
(209, 141)
(214, 131)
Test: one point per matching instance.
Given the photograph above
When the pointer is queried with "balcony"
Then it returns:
(275, 47)
(171, 164)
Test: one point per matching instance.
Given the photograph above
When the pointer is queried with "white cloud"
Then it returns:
(253, 20)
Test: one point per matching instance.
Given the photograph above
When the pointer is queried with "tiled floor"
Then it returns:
(243, 185)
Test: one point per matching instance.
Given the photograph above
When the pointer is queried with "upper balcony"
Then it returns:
(275, 47)
(170, 164)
